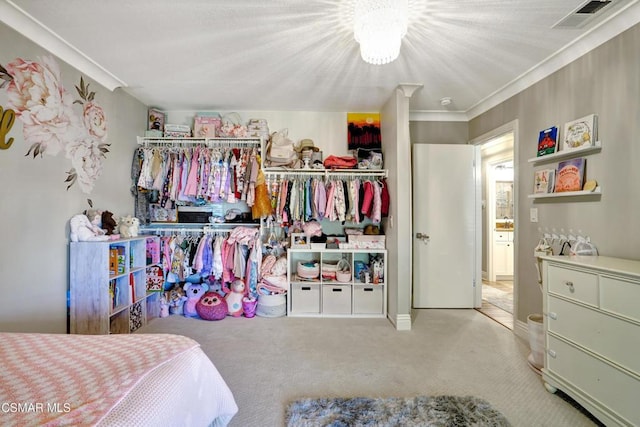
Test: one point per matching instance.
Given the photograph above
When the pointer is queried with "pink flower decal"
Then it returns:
(42, 104)
(50, 125)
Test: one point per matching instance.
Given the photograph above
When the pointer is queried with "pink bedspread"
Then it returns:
(60, 380)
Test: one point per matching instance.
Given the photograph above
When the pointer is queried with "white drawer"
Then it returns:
(336, 299)
(305, 298)
(368, 299)
(574, 284)
(503, 236)
(620, 296)
(615, 339)
(613, 388)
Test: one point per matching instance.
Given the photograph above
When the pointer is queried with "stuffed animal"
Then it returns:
(176, 298)
(212, 306)
(109, 223)
(164, 305)
(95, 216)
(194, 292)
(129, 226)
(234, 297)
(82, 230)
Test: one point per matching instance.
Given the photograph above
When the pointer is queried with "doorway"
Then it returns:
(499, 223)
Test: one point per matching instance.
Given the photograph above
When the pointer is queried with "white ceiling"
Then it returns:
(250, 55)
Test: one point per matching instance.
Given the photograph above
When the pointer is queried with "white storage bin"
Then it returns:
(336, 299)
(272, 305)
(368, 299)
(305, 298)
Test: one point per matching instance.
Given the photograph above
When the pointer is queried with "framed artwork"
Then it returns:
(363, 131)
(156, 119)
(580, 133)
(299, 241)
(548, 141)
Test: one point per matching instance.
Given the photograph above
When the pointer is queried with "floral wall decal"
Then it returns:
(50, 123)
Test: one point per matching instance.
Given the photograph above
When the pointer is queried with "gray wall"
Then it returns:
(606, 82)
(439, 132)
(35, 206)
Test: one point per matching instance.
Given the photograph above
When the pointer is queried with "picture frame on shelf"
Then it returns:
(363, 131)
(548, 141)
(155, 119)
(544, 181)
(299, 241)
(570, 175)
(580, 133)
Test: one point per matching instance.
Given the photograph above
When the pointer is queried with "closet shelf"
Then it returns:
(566, 154)
(327, 172)
(209, 142)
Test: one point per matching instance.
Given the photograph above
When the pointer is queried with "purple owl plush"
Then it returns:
(212, 306)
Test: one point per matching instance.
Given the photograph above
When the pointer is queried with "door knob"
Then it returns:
(421, 236)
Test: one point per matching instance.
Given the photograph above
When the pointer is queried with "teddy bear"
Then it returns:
(129, 226)
(194, 292)
(212, 306)
(83, 230)
(234, 297)
(109, 223)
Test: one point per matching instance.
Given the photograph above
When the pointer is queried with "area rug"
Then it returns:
(437, 411)
(497, 297)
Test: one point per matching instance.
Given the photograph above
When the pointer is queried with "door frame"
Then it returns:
(480, 140)
(491, 209)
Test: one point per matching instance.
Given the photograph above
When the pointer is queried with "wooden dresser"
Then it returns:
(592, 334)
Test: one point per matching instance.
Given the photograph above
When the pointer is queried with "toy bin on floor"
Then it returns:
(272, 305)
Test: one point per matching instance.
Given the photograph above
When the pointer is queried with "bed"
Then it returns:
(110, 380)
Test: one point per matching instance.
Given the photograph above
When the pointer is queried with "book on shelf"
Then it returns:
(580, 133)
(570, 175)
(548, 141)
(544, 181)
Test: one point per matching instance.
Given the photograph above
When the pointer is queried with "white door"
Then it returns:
(446, 226)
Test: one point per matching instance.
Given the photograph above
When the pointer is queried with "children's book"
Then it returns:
(548, 141)
(580, 133)
(544, 181)
(570, 175)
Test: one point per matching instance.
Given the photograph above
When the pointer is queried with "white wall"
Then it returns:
(328, 130)
(35, 206)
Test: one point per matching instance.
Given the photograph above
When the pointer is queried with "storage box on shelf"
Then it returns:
(108, 285)
(337, 282)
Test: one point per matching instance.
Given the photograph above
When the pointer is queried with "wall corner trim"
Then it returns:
(18, 19)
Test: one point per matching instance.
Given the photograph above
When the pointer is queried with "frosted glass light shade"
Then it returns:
(379, 26)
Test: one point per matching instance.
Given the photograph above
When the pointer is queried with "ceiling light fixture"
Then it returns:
(379, 27)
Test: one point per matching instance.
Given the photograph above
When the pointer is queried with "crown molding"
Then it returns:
(437, 116)
(609, 28)
(25, 24)
(622, 20)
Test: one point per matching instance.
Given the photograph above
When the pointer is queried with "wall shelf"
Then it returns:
(597, 191)
(566, 154)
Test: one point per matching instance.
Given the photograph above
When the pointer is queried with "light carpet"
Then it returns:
(417, 411)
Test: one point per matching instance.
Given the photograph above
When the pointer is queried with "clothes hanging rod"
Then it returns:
(210, 142)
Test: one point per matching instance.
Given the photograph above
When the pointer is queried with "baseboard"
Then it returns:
(402, 322)
(521, 329)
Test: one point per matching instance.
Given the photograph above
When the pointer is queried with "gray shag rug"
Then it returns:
(437, 411)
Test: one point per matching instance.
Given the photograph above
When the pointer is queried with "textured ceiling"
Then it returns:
(301, 55)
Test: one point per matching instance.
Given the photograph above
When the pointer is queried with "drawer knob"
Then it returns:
(570, 285)
(553, 315)
(551, 353)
